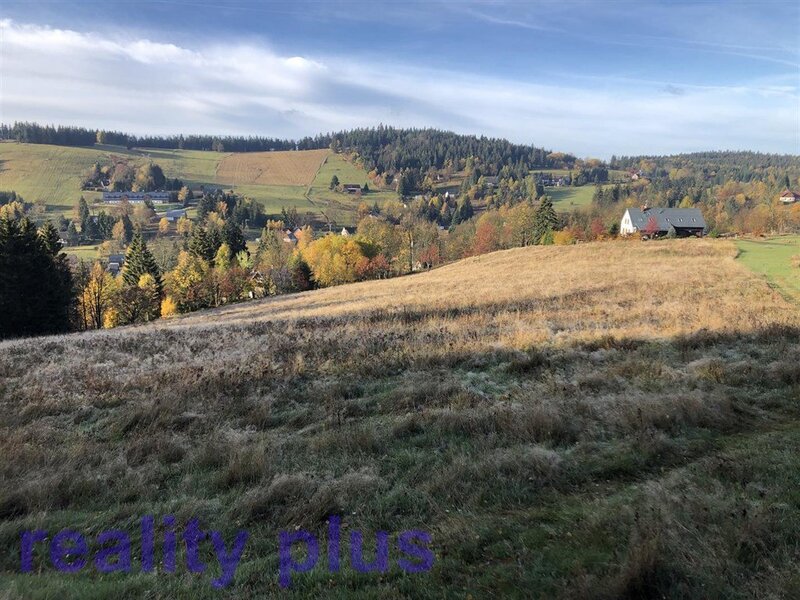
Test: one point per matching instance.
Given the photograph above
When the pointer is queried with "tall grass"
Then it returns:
(604, 420)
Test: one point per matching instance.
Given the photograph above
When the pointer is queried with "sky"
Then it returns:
(593, 78)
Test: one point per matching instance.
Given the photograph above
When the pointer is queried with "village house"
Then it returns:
(657, 222)
(172, 215)
(351, 188)
(289, 237)
(137, 197)
(789, 197)
(115, 262)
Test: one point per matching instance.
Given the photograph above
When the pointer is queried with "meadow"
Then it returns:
(777, 259)
(568, 198)
(53, 175)
(605, 420)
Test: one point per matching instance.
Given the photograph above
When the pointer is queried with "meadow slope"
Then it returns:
(613, 420)
(53, 174)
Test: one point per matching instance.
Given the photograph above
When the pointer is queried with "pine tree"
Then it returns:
(200, 245)
(84, 215)
(140, 261)
(36, 295)
(545, 221)
(233, 236)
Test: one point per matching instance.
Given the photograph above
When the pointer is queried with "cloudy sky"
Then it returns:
(593, 78)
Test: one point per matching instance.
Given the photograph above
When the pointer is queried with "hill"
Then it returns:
(601, 420)
(53, 174)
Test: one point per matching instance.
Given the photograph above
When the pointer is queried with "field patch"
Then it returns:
(569, 198)
(777, 259)
(271, 168)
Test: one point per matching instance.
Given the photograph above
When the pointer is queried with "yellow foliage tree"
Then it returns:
(168, 307)
(333, 259)
(96, 298)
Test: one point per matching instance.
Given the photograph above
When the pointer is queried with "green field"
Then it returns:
(52, 174)
(773, 258)
(569, 198)
(339, 207)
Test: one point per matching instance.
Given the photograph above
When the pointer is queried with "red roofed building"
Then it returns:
(788, 196)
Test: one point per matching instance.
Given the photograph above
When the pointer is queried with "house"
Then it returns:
(658, 221)
(289, 237)
(789, 197)
(115, 262)
(345, 233)
(351, 188)
(173, 215)
(491, 180)
(137, 197)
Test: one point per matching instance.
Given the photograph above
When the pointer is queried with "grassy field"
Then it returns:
(271, 168)
(339, 207)
(569, 198)
(276, 179)
(777, 258)
(607, 420)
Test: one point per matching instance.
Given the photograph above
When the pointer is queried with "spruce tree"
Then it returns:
(36, 295)
(140, 261)
(200, 244)
(545, 220)
(233, 236)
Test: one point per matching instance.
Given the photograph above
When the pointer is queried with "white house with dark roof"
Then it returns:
(789, 197)
(658, 221)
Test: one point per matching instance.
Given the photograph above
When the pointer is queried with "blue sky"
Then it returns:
(592, 78)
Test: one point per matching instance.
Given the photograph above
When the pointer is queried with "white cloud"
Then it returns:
(145, 86)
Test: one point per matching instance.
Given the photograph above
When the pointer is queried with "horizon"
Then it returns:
(590, 79)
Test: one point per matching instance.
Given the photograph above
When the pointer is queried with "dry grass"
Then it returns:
(604, 420)
(271, 168)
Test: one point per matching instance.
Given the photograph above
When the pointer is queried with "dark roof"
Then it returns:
(690, 218)
(116, 258)
(788, 192)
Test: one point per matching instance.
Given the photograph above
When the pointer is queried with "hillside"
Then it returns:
(593, 421)
(276, 179)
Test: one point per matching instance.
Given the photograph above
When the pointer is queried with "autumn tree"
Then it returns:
(187, 285)
(96, 297)
(651, 228)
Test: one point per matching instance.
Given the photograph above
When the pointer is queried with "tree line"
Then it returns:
(383, 148)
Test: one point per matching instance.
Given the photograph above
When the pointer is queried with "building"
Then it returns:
(137, 197)
(351, 188)
(789, 197)
(657, 222)
(289, 237)
(173, 215)
(115, 262)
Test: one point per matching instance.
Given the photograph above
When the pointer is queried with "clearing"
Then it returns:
(605, 420)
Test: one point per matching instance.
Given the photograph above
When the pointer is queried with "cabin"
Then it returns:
(115, 262)
(137, 197)
(289, 237)
(789, 197)
(173, 215)
(351, 188)
(656, 222)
